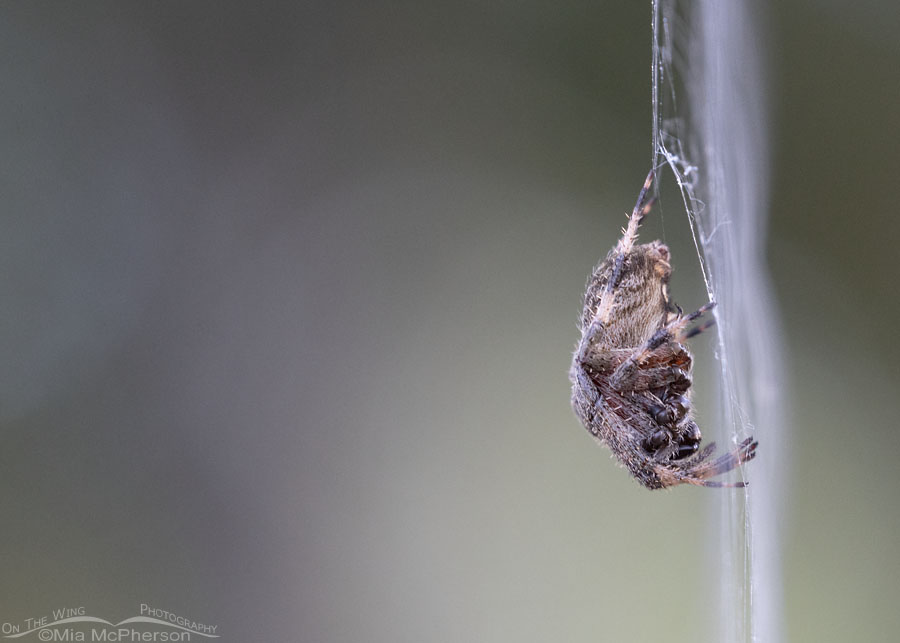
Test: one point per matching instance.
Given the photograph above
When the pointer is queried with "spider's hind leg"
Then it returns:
(624, 246)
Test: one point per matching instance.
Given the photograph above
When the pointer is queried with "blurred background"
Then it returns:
(290, 298)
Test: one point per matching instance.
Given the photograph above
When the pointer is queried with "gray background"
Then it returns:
(290, 295)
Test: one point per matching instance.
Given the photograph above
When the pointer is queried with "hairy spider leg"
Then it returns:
(629, 235)
(698, 474)
(624, 246)
(667, 372)
(684, 333)
(625, 373)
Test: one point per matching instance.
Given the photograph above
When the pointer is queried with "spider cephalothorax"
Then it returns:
(631, 374)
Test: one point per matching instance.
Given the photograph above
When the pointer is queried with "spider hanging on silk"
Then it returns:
(631, 372)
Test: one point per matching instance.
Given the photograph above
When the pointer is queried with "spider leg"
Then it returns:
(624, 246)
(672, 333)
(665, 454)
(658, 377)
(589, 340)
(699, 469)
(699, 473)
(684, 333)
(630, 234)
(588, 405)
(665, 366)
(636, 372)
(678, 328)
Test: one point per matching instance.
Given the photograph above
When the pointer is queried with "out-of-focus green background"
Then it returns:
(290, 293)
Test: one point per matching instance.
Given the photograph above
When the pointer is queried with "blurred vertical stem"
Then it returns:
(710, 127)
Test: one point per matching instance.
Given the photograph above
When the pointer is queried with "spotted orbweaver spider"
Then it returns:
(631, 372)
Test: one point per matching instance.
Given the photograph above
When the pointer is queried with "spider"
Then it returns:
(631, 372)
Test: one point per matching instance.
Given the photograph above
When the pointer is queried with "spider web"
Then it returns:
(709, 128)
